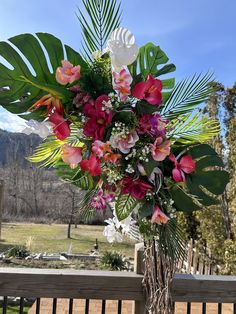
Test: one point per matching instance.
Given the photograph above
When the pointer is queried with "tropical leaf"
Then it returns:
(76, 177)
(101, 18)
(204, 184)
(149, 61)
(124, 206)
(192, 128)
(187, 94)
(48, 153)
(26, 71)
(171, 240)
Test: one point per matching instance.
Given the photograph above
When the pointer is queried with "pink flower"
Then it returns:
(124, 142)
(98, 148)
(149, 90)
(121, 83)
(92, 165)
(67, 73)
(159, 217)
(186, 165)
(99, 200)
(81, 98)
(61, 126)
(160, 149)
(99, 118)
(152, 124)
(71, 155)
(135, 187)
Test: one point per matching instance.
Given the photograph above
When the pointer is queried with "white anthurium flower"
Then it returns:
(122, 48)
(111, 232)
(42, 129)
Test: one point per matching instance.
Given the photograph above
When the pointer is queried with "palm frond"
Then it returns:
(49, 153)
(187, 94)
(193, 128)
(101, 18)
(171, 240)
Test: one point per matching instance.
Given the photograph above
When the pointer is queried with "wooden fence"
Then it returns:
(100, 285)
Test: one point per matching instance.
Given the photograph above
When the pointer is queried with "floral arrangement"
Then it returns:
(116, 125)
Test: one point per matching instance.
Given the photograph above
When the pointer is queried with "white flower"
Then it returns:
(111, 232)
(43, 129)
(122, 48)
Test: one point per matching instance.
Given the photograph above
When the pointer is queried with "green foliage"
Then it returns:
(124, 206)
(186, 95)
(102, 17)
(48, 153)
(80, 179)
(148, 61)
(21, 84)
(192, 128)
(114, 261)
(205, 184)
(19, 251)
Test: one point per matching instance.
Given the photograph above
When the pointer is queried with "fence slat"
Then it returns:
(87, 306)
(21, 306)
(38, 306)
(103, 307)
(4, 305)
(119, 310)
(71, 306)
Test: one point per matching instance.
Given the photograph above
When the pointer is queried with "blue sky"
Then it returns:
(197, 35)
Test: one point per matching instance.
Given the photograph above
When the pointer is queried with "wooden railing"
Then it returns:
(100, 285)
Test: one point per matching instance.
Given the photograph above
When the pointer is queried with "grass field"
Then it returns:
(53, 238)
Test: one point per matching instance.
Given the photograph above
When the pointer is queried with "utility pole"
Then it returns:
(1, 204)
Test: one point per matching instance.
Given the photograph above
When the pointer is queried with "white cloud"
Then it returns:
(10, 122)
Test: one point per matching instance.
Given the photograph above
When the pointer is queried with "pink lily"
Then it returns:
(158, 216)
(67, 73)
(71, 155)
(149, 90)
(61, 126)
(186, 165)
(160, 149)
(121, 83)
(92, 165)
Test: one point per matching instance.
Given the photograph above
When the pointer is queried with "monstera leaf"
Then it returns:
(205, 184)
(28, 71)
(150, 61)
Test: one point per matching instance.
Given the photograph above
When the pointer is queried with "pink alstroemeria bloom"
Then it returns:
(121, 83)
(99, 118)
(99, 200)
(185, 165)
(159, 217)
(67, 73)
(71, 155)
(61, 126)
(160, 149)
(124, 142)
(149, 90)
(92, 165)
(137, 188)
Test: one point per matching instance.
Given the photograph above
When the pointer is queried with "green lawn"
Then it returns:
(53, 238)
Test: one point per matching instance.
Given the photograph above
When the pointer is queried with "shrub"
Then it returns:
(114, 261)
(19, 251)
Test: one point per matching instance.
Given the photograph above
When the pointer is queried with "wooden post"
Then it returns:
(139, 306)
(1, 204)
